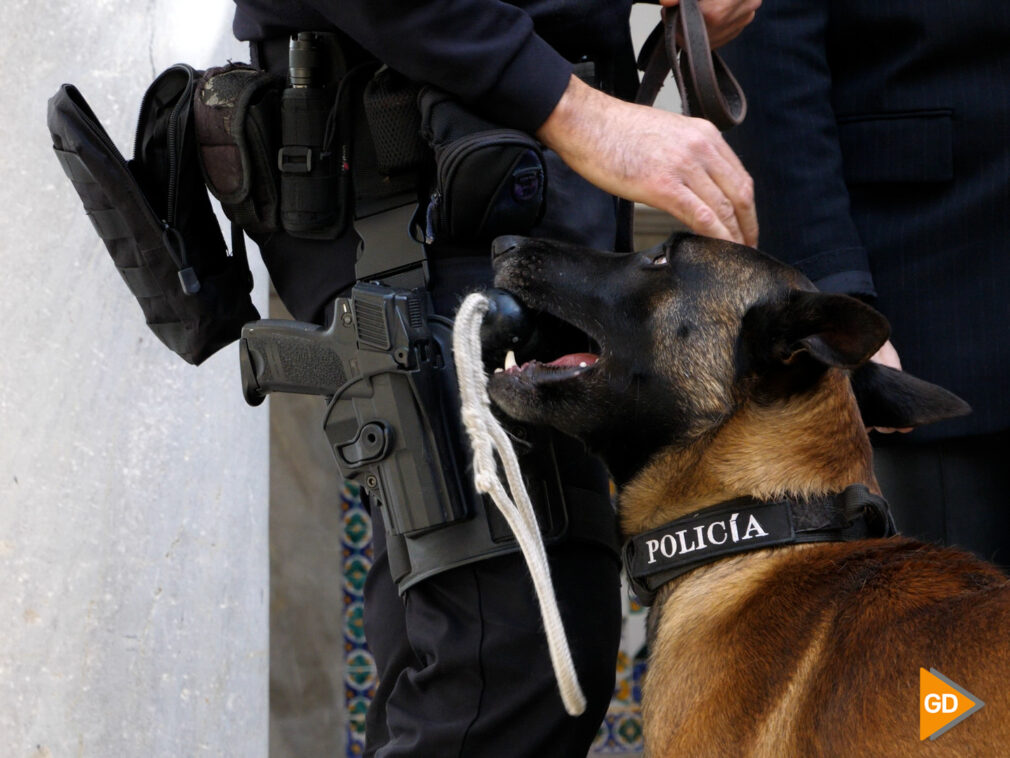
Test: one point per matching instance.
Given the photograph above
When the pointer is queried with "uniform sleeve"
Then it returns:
(789, 144)
(483, 51)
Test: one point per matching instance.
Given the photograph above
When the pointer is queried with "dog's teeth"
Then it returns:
(510, 360)
(499, 370)
(583, 364)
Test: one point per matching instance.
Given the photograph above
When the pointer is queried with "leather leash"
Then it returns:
(707, 87)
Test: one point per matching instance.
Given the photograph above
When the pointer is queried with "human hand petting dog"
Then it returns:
(724, 19)
(675, 163)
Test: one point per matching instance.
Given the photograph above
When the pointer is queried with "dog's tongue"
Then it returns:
(575, 360)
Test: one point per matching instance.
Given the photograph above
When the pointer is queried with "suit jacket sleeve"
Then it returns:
(789, 143)
(485, 52)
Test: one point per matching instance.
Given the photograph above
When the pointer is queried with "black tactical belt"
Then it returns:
(744, 524)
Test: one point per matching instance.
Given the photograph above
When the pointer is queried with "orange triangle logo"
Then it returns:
(942, 704)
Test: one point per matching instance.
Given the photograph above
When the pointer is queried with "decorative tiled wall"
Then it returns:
(621, 730)
(359, 680)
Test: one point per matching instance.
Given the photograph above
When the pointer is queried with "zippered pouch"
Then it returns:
(155, 218)
(489, 180)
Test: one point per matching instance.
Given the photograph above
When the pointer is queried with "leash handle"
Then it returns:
(707, 87)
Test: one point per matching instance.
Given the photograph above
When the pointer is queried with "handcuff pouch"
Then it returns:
(236, 113)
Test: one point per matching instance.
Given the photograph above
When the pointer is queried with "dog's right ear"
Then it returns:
(891, 398)
(834, 330)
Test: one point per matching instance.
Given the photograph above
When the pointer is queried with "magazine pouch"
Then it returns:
(155, 218)
(488, 180)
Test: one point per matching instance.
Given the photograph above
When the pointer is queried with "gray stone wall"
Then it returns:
(133, 487)
(307, 713)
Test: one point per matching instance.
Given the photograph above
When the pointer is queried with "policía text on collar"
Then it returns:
(702, 536)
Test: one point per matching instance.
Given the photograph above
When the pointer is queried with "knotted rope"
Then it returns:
(487, 437)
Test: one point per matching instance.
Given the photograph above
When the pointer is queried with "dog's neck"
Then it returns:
(811, 445)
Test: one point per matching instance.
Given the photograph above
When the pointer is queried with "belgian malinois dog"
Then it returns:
(714, 380)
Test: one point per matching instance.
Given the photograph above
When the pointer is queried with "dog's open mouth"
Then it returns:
(555, 351)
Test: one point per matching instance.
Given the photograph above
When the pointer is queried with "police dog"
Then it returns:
(706, 372)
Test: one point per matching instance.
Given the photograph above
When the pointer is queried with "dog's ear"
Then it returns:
(891, 398)
(834, 330)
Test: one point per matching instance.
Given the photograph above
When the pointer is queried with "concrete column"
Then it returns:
(133, 487)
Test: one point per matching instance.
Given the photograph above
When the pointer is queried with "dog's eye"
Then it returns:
(655, 258)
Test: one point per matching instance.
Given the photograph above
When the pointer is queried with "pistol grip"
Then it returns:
(278, 355)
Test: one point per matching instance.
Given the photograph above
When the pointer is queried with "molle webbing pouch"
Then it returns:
(155, 218)
(236, 114)
(489, 180)
(390, 104)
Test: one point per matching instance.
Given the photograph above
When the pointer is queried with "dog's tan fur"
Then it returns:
(808, 446)
(805, 650)
(757, 654)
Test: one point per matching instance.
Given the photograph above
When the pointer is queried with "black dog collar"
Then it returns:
(738, 526)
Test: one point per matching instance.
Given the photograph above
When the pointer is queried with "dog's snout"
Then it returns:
(505, 244)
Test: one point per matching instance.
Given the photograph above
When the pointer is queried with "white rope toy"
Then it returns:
(487, 437)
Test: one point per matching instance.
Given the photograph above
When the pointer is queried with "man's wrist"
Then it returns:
(568, 116)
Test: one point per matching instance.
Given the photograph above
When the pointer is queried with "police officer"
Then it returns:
(462, 658)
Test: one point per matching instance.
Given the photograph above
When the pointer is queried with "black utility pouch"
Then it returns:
(390, 103)
(236, 114)
(155, 218)
(488, 180)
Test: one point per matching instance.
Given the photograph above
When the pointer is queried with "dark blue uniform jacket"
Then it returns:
(510, 61)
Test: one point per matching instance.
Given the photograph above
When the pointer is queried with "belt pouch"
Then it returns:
(489, 180)
(390, 102)
(154, 215)
(236, 116)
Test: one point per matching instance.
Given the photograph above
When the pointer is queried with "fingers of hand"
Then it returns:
(727, 13)
(714, 213)
(699, 216)
(725, 19)
(738, 188)
(889, 429)
(887, 356)
(716, 175)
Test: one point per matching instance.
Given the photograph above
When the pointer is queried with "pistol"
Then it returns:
(383, 363)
